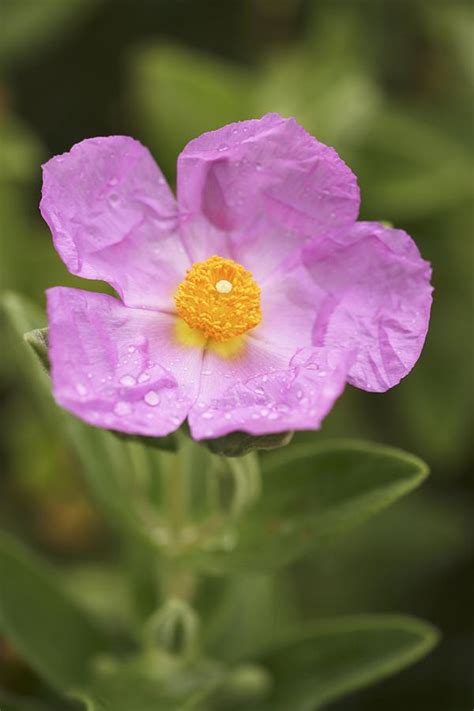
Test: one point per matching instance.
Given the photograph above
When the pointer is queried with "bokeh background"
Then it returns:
(389, 84)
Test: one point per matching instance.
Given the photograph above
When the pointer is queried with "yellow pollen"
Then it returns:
(219, 298)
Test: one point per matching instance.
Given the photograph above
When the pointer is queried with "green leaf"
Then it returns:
(38, 341)
(310, 493)
(47, 629)
(27, 24)
(335, 657)
(157, 682)
(179, 94)
(254, 607)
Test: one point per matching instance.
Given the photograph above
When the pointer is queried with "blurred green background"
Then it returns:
(389, 84)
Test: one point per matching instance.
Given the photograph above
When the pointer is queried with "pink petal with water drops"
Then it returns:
(117, 367)
(274, 398)
(263, 187)
(114, 218)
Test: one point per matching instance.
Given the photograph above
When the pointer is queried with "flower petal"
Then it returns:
(290, 300)
(117, 367)
(113, 217)
(269, 394)
(263, 187)
(378, 300)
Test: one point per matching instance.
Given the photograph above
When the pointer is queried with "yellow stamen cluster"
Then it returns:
(219, 298)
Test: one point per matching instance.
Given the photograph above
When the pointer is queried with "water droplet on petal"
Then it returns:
(223, 147)
(122, 408)
(81, 389)
(127, 380)
(143, 377)
(207, 415)
(152, 398)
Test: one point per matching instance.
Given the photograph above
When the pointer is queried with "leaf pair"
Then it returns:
(307, 667)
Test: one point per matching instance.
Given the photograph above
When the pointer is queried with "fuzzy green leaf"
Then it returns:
(47, 628)
(310, 494)
(333, 658)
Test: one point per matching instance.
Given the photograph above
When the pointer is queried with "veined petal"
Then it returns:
(378, 300)
(113, 217)
(263, 186)
(117, 367)
(265, 392)
(290, 301)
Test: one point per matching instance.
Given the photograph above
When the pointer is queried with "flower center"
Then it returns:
(219, 298)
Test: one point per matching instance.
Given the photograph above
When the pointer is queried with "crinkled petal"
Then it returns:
(113, 217)
(263, 187)
(378, 300)
(117, 367)
(267, 393)
(290, 300)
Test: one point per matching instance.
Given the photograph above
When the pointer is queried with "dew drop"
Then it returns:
(81, 389)
(207, 415)
(131, 349)
(127, 380)
(223, 147)
(152, 398)
(122, 408)
(143, 377)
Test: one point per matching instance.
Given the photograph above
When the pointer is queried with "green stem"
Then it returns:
(247, 481)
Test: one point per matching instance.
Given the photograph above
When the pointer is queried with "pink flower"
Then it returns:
(245, 304)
